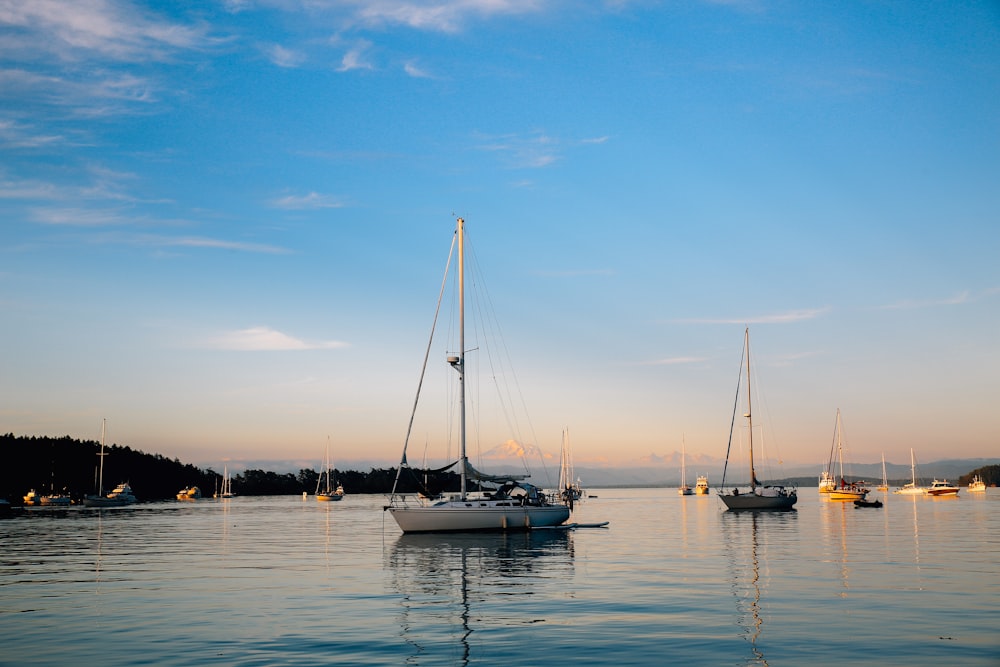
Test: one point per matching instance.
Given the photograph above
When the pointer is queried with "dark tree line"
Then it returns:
(990, 475)
(67, 465)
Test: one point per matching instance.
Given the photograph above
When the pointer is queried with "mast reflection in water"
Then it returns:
(746, 541)
(456, 587)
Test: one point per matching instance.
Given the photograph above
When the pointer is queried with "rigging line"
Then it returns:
(770, 446)
(732, 424)
(487, 327)
(423, 370)
(505, 366)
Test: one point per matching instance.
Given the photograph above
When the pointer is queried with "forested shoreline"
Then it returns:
(67, 465)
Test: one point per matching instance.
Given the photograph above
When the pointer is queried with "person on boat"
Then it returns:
(736, 492)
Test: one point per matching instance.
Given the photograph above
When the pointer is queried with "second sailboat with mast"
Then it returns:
(760, 496)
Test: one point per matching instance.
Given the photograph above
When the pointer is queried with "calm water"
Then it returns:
(282, 581)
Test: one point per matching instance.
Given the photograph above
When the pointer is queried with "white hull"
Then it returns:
(121, 496)
(330, 497)
(701, 488)
(942, 489)
(977, 485)
(827, 483)
(476, 516)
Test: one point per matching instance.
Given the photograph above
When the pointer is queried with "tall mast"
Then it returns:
(100, 477)
(746, 343)
(840, 446)
(461, 349)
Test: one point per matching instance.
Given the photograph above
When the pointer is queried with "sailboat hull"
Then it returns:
(476, 516)
(752, 501)
(104, 501)
(847, 494)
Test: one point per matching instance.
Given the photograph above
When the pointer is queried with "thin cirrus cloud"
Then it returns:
(777, 318)
(103, 27)
(283, 57)
(954, 300)
(266, 339)
(414, 70)
(444, 16)
(534, 150)
(312, 200)
(220, 244)
(356, 58)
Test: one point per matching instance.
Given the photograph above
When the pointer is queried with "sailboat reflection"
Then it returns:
(744, 560)
(457, 584)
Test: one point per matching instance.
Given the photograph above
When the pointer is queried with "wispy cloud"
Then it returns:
(954, 300)
(777, 318)
(20, 135)
(283, 57)
(441, 16)
(356, 58)
(533, 151)
(573, 273)
(312, 200)
(81, 217)
(87, 92)
(414, 70)
(263, 339)
(104, 28)
(221, 244)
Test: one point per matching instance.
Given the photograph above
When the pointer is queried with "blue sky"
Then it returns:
(224, 223)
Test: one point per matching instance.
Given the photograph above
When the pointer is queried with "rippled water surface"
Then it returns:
(672, 580)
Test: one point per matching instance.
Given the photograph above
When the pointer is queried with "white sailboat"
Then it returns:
(512, 505)
(911, 488)
(842, 489)
(684, 489)
(759, 496)
(227, 484)
(884, 486)
(120, 496)
(570, 491)
(325, 488)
